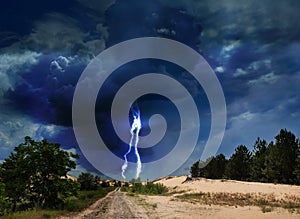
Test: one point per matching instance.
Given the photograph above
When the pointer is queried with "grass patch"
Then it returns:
(266, 209)
(142, 202)
(176, 192)
(71, 204)
(85, 199)
(34, 214)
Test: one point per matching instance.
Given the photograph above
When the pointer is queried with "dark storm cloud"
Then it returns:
(131, 19)
(46, 94)
(18, 16)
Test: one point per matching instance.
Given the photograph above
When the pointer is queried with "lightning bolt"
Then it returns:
(135, 129)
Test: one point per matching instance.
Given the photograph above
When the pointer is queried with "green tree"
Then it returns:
(281, 158)
(35, 174)
(297, 170)
(195, 169)
(88, 181)
(238, 166)
(258, 160)
(215, 168)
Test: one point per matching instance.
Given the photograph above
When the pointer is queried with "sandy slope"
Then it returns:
(231, 186)
(170, 207)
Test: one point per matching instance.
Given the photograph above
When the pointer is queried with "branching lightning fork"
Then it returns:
(135, 129)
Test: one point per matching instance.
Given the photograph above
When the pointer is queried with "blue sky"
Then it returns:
(253, 47)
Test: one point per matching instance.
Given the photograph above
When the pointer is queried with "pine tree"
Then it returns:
(238, 166)
(258, 160)
(281, 159)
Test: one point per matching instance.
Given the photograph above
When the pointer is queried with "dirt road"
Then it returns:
(121, 205)
(115, 205)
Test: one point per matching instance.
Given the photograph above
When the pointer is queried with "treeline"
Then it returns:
(275, 162)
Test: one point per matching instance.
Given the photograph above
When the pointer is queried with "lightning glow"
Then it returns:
(135, 129)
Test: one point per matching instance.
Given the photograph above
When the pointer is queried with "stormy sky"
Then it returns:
(252, 46)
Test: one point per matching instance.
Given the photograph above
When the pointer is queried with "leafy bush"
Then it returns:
(148, 189)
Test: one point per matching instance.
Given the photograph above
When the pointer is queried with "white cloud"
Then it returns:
(60, 64)
(13, 129)
(270, 78)
(244, 116)
(231, 46)
(14, 64)
(219, 69)
(256, 65)
(166, 31)
(239, 72)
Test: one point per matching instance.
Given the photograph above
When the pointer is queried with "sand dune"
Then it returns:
(172, 207)
(179, 183)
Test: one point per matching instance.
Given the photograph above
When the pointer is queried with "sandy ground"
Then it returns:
(170, 207)
(120, 205)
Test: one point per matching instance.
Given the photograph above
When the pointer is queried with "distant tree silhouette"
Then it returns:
(277, 162)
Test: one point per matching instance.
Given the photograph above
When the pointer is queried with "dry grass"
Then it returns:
(266, 202)
(33, 214)
(142, 202)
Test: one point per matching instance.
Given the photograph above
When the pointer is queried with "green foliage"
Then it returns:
(212, 168)
(238, 166)
(4, 204)
(215, 168)
(104, 184)
(147, 189)
(35, 175)
(71, 204)
(258, 160)
(137, 180)
(117, 183)
(297, 170)
(281, 159)
(85, 198)
(195, 169)
(88, 181)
